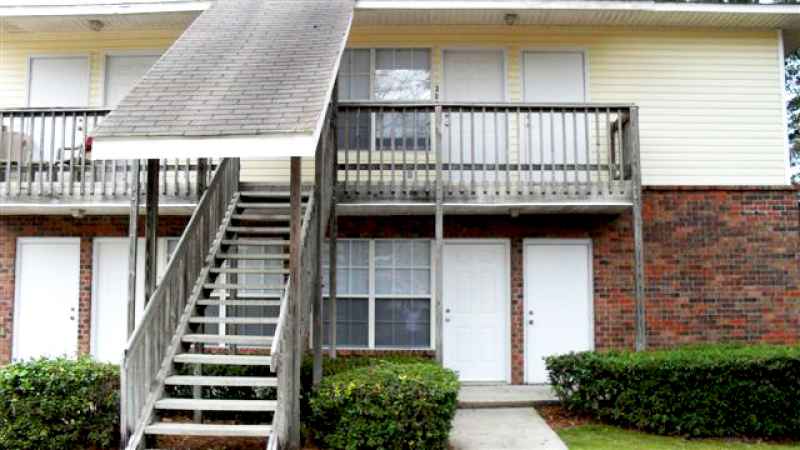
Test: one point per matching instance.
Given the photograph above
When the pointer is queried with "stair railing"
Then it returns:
(148, 355)
(286, 354)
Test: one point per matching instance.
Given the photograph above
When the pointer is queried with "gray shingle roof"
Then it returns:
(243, 68)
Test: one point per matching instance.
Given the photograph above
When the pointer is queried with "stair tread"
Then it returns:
(248, 270)
(264, 217)
(196, 380)
(233, 360)
(258, 242)
(236, 320)
(227, 339)
(269, 194)
(274, 287)
(275, 230)
(208, 429)
(254, 256)
(215, 405)
(239, 302)
(268, 205)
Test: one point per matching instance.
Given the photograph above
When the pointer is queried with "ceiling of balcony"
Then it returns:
(110, 22)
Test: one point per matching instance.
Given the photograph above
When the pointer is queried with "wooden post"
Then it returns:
(151, 230)
(295, 349)
(319, 232)
(438, 251)
(638, 236)
(133, 234)
(202, 176)
(332, 277)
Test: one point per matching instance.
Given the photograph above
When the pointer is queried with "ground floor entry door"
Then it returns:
(558, 302)
(476, 309)
(47, 289)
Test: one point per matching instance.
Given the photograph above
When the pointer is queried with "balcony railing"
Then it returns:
(45, 153)
(487, 152)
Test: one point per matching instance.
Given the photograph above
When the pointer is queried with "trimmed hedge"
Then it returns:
(388, 405)
(59, 404)
(704, 391)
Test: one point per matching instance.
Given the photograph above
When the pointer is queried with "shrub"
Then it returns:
(386, 406)
(59, 404)
(713, 391)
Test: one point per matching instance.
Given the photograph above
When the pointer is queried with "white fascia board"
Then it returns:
(274, 146)
(103, 8)
(576, 6)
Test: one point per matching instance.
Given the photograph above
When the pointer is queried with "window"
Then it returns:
(383, 294)
(385, 75)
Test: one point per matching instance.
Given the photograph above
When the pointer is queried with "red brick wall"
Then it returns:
(87, 228)
(722, 265)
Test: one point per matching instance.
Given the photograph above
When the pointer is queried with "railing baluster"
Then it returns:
(598, 162)
(496, 153)
(473, 160)
(575, 151)
(462, 158)
(346, 136)
(609, 151)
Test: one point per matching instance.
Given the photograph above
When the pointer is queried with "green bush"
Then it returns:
(713, 391)
(59, 404)
(385, 406)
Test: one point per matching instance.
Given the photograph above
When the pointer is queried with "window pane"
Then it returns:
(402, 322)
(352, 322)
(403, 255)
(402, 281)
(354, 130)
(398, 77)
(354, 75)
(422, 282)
(384, 253)
(383, 281)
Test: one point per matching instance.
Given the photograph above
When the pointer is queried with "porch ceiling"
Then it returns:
(576, 12)
(80, 23)
(248, 78)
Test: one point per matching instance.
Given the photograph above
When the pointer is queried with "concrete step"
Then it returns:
(203, 429)
(191, 380)
(226, 339)
(228, 360)
(195, 404)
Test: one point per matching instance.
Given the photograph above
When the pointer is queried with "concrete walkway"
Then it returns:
(502, 429)
(505, 396)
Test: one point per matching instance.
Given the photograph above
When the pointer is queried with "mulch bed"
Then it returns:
(559, 417)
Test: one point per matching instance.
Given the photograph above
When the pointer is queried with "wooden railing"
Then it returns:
(296, 304)
(487, 152)
(149, 352)
(46, 153)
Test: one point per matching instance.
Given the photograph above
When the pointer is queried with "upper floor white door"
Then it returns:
(122, 74)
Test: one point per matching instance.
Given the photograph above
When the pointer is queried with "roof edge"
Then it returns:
(104, 8)
(271, 146)
(577, 5)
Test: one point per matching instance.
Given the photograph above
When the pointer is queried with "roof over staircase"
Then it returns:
(249, 78)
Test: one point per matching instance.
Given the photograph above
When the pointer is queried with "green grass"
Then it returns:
(602, 437)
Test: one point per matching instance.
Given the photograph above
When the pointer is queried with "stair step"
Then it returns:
(193, 380)
(236, 320)
(215, 405)
(255, 242)
(203, 429)
(253, 256)
(270, 287)
(269, 194)
(255, 205)
(227, 339)
(259, 230)
(230, 360)
(248, 270)
(239, 302)
(263, 217)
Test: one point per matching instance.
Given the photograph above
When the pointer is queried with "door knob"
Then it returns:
(530, 322)
(447, 310)
(447, 319)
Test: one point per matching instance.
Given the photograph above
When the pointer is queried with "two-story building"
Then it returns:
(513, 179)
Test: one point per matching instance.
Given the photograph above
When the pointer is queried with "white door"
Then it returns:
(110, 293)
(122, 74)
(474, 140)
(476, 309)
(57, 81)
(47, 290)
(556, 77)
(558, 302)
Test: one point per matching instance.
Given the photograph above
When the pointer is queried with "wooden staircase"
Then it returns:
(231, 321)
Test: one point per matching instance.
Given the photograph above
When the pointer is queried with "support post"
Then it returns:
(295, 349)
(438, 252)
(202, 176)
(319, 232)
(151, 230)
(133, 234)
(638, 236)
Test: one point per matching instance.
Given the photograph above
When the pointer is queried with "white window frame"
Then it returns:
(372, 68)
(372, 296)
(29, 75)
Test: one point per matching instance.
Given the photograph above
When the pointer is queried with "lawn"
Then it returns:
(603, 437)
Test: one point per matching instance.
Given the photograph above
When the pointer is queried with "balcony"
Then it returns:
(46, 162)
(487, 157)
